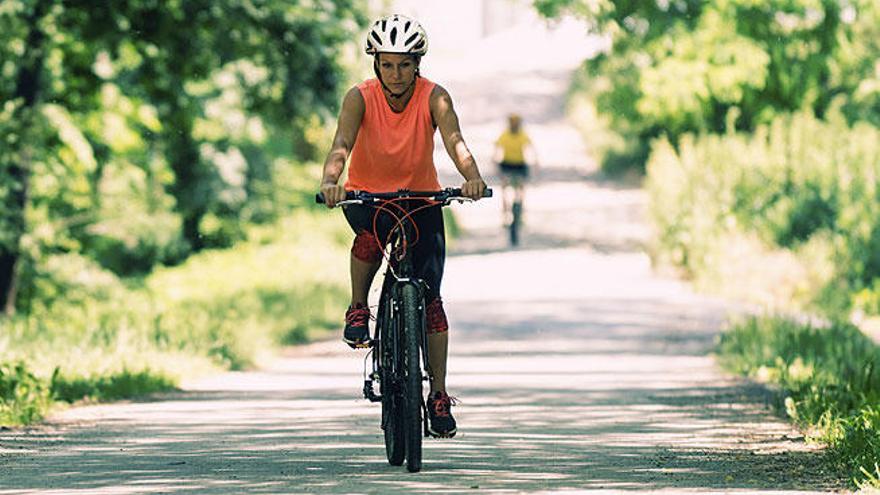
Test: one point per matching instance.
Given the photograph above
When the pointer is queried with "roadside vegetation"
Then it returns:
(756, 126)
(157, 174)
(829, 379)
(220, 309)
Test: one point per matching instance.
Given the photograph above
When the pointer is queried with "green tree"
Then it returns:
(60, 57)
(292, 49)
(30, 37)
(679, 66)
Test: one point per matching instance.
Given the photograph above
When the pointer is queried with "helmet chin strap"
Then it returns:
(392, 94)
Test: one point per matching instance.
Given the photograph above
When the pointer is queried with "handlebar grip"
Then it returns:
(320, 199)
(487, 193)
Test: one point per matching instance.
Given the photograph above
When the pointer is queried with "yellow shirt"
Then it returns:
(513, 146)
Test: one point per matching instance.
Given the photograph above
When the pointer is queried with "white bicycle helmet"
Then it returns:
(397, 33)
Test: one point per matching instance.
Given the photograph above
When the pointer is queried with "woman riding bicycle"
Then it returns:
(387, 124)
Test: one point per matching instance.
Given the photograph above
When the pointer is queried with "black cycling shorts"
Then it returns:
(520, 170)
(429, 252)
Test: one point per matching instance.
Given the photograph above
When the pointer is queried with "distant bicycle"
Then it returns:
(514, 154)
(515, 211)
(399, 346)
(513, 181)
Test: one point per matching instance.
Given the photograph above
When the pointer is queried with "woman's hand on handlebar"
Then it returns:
(473, 189)
(333, 193)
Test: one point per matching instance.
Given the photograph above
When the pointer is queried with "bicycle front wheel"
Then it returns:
(412, 320)
(516, 211)
(391, 360)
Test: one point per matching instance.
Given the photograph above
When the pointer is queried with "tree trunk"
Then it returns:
(27, 88)
(192, 187)
(8, 265)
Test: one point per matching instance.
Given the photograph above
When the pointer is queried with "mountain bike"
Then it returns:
(399, 346)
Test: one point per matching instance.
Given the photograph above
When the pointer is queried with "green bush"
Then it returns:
(790, 181)
(24, 398)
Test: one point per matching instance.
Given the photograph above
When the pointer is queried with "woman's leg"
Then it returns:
(438, 351)
(429, 258)
(366, 251)
(362, 274)
(505, 199)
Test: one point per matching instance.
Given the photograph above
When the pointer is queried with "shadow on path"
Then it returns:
(606, 394)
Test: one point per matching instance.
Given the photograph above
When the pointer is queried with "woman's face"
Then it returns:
(398, 70)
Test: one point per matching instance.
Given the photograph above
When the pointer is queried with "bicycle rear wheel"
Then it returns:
(412, 321)
(392, 403)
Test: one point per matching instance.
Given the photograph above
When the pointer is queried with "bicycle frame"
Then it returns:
(393, 282)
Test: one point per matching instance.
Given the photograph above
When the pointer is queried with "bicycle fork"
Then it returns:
(377, 346)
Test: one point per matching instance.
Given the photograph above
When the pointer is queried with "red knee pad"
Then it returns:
(435, 317)
(365, 248)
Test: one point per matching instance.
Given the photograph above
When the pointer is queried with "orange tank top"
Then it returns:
(394, 150)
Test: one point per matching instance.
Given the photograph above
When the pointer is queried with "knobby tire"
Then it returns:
(412, 321)
(392, 403)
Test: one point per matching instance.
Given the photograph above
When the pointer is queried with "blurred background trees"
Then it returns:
(682, 66)
(137, 132)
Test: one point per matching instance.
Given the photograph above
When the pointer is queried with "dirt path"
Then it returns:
(577, 369)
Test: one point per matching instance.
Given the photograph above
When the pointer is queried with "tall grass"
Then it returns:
(830, 378)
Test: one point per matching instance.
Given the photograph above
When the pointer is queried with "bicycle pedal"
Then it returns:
(361, 345)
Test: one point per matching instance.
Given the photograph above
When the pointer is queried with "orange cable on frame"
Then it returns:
(399, 221)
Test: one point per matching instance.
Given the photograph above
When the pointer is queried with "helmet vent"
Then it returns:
(384, 25)
(393, 35)
(376, 37)
(406, 26)
(411, 38)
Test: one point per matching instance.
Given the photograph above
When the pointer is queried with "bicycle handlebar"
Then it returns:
(444, 196)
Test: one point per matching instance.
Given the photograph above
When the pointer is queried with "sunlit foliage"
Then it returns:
(133, 135)
(796, 183)
(137, 132)
(679, 66)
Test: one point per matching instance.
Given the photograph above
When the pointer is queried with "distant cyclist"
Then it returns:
(387, 125)
(511, 149)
